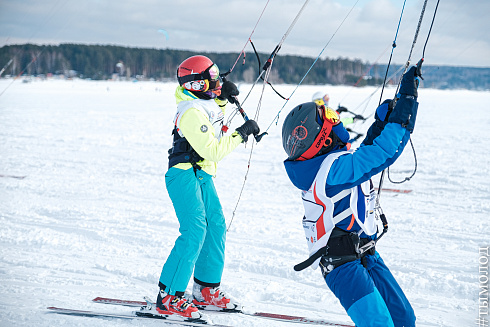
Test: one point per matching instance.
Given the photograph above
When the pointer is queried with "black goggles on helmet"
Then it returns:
(211, 74)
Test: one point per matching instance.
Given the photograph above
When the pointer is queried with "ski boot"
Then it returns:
(176, 305)
(212, 298)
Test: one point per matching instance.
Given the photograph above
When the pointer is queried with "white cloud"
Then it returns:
(459, 36)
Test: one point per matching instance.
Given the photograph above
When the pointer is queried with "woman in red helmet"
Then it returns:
(198, 144)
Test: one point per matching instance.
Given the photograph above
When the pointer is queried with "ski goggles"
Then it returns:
(203, 85)
(322, 101)
(327, 113)
(211, 74)
(202, 82)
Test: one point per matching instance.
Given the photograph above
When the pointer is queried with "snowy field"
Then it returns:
(92, 216)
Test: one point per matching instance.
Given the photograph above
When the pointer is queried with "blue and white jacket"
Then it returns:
(337, 189)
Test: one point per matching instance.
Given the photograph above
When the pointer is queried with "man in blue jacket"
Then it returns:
(339, 200)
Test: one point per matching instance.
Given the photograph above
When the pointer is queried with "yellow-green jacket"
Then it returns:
(200, 122)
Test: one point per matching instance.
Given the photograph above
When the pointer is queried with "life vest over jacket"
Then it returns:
(336, 187)
(197, 130)
(319, 219)
(208, 108)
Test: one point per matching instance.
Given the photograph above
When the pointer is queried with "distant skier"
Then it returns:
(197, 147)
(322, 99)
(339, 198)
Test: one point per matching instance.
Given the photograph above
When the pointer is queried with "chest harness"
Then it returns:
(330, 246)
(181, 150)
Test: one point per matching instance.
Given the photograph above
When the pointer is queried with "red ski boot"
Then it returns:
(212, 298)
(176, 305)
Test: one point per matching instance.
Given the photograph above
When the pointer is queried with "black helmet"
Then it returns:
(304, 136)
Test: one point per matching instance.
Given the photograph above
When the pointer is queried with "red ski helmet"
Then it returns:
(304, 136)
(198, 74)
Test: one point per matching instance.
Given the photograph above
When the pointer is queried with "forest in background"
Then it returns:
(100, 62)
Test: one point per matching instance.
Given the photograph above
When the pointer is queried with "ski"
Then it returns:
(142, 314)
(394, 190)
(274, 316)
(13, 176)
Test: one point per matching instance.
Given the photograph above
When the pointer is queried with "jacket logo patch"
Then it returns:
(204, 128)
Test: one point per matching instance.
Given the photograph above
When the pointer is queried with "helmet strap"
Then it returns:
(334, 145)
(321, 140)
(204, 95)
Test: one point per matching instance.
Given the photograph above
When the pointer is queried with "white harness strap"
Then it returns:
(339, 196)
(341, 216)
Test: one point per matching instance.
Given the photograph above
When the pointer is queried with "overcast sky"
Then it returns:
(460, 36)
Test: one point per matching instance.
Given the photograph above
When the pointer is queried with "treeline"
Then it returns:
(103, 61)
(106, 62)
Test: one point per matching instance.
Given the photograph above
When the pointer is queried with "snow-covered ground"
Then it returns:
(92, 216)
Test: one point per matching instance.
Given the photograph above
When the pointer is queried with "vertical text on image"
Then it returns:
(483, 295)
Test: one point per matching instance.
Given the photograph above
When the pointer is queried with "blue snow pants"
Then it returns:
(201, 244)
(371, 296)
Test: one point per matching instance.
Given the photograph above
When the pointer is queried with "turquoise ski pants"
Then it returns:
(201, 244)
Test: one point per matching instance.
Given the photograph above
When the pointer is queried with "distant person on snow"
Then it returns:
(322, 99)
(339, 199)
(198, 145)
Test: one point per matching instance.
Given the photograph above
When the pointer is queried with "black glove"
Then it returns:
(249, 127)
(342, 109)
(228, 91)
(410, 82)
